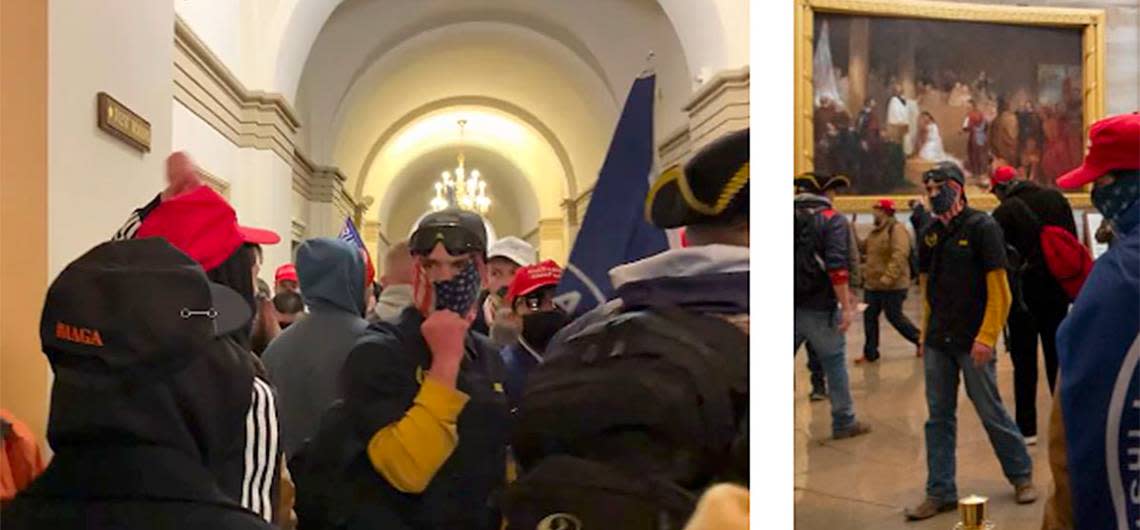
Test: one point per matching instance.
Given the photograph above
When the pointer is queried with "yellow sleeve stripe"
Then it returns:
(409, 452)
(998, 300)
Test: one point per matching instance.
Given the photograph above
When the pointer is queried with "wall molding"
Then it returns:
(575, 209)
(718, 107)
(674, 147)
(205, 86)
(318, 183)
(215, 182)
(250, 118)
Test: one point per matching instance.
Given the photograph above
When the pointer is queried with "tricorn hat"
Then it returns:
(820, 183)
(712, 186)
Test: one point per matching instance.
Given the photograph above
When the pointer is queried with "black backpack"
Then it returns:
(575, 493)
(656, 397)
(810, 274)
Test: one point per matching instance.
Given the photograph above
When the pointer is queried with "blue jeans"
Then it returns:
(818, 381)
(820, 330)
(942, 367)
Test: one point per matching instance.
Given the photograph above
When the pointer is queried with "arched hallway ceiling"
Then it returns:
(477, 60)
(561, 70)
(713, 33)
(531, 168)
(513, 202)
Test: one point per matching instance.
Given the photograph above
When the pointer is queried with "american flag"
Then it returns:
(350, 235)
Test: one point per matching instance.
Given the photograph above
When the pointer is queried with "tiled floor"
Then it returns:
(866, 482)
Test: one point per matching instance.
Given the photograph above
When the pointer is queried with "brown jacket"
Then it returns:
(887, 250)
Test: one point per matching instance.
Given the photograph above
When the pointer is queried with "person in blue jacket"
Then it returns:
(530, 297)
(1098, 348)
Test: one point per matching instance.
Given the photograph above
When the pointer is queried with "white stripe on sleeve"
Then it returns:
(250, 441)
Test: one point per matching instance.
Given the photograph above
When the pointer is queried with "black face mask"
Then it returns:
(945, 200)
(539, 328)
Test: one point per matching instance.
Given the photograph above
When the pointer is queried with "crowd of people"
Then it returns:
(452, 393)
(1019, 271)
(873, 144)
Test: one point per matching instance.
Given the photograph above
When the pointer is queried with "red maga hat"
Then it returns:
(1114, 143)
(203, 225)
(287, 271)
(532, 277)
(1002, 174)
(885, 204)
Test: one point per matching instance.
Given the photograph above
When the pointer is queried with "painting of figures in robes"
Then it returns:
(892, 97)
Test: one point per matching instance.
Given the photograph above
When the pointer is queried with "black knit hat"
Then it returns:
(712, 186)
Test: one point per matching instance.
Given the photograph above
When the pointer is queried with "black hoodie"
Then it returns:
(140, 448)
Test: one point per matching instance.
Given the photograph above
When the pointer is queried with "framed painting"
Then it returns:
(888, 89)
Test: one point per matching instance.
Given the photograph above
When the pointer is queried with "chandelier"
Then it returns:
(461, 188)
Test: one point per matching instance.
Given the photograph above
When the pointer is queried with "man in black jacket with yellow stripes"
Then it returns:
(423, 426)
(966, 300)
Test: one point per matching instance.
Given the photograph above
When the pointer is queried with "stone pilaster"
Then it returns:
(718, 107)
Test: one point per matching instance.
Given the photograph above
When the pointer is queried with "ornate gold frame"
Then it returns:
(1091, 21)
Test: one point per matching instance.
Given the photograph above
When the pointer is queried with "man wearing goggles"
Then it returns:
(966, 299)
(425, 395)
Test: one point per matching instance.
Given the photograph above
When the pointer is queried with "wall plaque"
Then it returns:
(122, 123)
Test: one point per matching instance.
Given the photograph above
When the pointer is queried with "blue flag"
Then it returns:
(614, 230)
(348, 234)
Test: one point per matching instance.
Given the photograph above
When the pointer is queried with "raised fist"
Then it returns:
(445, 332)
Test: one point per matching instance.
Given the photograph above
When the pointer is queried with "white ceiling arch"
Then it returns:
(373, 70)
(514, 206)
(506, 107)
(714, 33)
(518, 151)
(502, 66)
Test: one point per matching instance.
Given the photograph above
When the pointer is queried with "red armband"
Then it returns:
(838, 276)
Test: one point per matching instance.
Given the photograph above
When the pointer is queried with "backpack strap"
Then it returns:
(1037, 259)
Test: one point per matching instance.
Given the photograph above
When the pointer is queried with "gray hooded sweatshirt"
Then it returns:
(304, 362)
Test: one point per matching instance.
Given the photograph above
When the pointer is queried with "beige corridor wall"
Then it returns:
(23, 209)
(261, 188)
(95, 180)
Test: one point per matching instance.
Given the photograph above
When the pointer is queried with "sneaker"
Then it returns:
(818, 395)
(1030, 440)
(1025, 492)
(929, 508)
(859, 428)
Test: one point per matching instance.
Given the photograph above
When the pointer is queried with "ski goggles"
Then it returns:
(456, 239)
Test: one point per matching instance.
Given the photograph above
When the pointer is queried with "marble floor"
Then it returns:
(865, 482)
